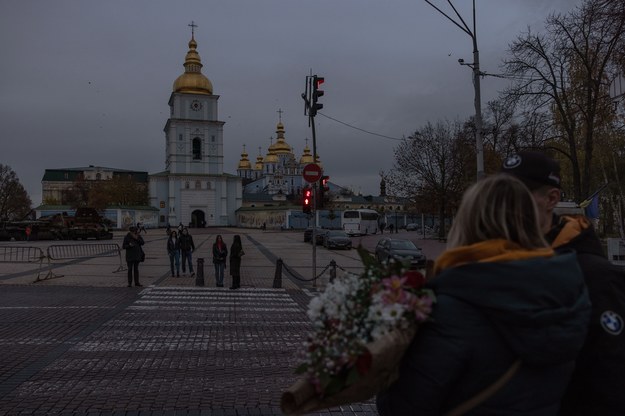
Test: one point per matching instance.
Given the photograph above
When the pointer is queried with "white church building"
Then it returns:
(193, 189)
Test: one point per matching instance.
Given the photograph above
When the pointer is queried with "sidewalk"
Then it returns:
(85, 344)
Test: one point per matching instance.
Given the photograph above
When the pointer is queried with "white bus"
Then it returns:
(360, 221)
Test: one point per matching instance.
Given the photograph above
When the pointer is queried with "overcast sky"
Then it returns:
(87, 82)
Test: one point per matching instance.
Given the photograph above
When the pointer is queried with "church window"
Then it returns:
(98, 176)
(197, 148)
(186, 185)
(213, 139)
(198, 185)
(180, 137)
(208, 185)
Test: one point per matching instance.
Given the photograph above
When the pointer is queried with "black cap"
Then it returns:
(535, 169)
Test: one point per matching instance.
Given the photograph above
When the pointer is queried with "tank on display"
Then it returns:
(85, 224)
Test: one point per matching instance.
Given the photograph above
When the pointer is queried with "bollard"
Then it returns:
(332, 271)
(277, 279)
(199, 277)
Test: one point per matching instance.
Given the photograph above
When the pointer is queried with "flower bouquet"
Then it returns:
(362, 326)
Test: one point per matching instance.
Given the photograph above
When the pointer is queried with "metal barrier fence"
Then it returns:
(22, 254)
(81, 251)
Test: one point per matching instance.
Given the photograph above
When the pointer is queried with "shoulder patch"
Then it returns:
(611, 322)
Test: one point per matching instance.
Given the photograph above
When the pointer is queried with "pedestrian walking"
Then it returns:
(220, 253)
(187, 247)
(601, 364)
(27, 231)
(173, 250)
(510, 318)
(236, 252)
(134, 254)
(141, 227)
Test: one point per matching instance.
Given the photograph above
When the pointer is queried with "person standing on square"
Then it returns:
(186, 248)
(134, 254)
(173, 250)
(236, 252)
(220, 253)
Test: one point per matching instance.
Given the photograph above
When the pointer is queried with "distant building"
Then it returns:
(193, 189)
(57, 184)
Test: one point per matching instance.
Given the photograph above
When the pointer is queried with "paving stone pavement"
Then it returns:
(85, 344)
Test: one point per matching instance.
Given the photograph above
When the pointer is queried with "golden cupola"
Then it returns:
(271, 156)
(244, 163)
(193, 81)
(307, 157)
(281, 147)
(259, 163)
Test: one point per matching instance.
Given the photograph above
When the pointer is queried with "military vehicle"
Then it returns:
(85, 224)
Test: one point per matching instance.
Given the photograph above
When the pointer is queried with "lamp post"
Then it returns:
(479, 144)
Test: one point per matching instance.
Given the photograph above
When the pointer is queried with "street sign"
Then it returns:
(311, 173)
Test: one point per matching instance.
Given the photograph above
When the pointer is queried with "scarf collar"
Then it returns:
(497, 250)
(568, 228)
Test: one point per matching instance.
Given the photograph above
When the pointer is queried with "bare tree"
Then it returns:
(15, 204)
(567, 72)
(431, 168)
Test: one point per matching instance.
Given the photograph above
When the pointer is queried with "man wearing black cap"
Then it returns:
(597, 384)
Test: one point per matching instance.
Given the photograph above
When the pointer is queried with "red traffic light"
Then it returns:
(307, 200)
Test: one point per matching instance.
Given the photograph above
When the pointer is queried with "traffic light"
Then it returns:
(324, 183)
(316, 93)
(323, 188)
(307, 201)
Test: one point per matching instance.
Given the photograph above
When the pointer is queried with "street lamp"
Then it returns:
(479, 145)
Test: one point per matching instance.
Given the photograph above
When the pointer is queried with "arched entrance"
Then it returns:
(198, 219)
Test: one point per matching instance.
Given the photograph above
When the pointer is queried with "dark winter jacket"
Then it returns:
(173, 245)
(236, 252)
(186, 242)
(219, 255)
(132, 245)
(598, 381)
(487, 316)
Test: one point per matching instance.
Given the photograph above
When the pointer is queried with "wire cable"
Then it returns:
(358, 128)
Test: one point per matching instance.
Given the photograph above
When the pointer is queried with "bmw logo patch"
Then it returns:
(512, 162)
(611, 322)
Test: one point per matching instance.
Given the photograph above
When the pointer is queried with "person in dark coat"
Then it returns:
(220, 253)
(187, 247)
(596, 385)
(506, 303)
(236, 252)
(134, 254)
(173, 251)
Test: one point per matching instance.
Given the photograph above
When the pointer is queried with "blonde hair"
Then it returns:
(497, 207)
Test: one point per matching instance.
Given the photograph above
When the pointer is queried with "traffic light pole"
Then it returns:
(312, 93)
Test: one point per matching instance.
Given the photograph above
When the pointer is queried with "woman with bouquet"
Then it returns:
(510, 318)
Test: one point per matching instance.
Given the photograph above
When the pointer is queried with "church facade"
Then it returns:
(193, 189)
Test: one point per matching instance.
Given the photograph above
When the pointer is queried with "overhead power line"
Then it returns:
(358, 128)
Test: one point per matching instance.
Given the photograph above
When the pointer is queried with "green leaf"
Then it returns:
(301, 369)
(352, 376)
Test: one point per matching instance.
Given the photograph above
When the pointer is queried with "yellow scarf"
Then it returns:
(487, 251)
(573, 226)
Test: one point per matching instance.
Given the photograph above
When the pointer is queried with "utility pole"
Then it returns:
(311, 96)
(475, 66)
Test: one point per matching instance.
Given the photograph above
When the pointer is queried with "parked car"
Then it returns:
(337, 239)
(412, 227)
(404, 251)
(319, 233)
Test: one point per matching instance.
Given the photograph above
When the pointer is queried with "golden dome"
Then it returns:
(318, 162)
(271, 156)
(244, 163)
(306, 157)
(281, 146)
(259, 163)
(193, 81)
